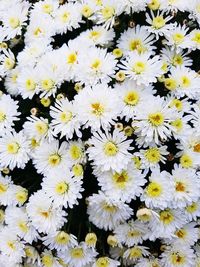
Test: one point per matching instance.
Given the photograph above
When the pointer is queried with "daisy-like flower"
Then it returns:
(97, 66)
(152, 156)
(131, 233)
(177, 37)
(194, 39)
(65, 118)
(133, 254)
(76, 152)
(79, 256)
(192, 211)
(11, 246)
(159, 191)
(178, 256)
(105, 261)
(37, 128)
(97, 107)
(152, 121)
(109, 152)
(183, 81)
(50, 156)
(48, 259)
(59, 240)
(45, 8)
(158, 23)
(131, 94)
(106, 212)
(8, 113)
(6, 190)
(125, 185)
(134, 6)
(187, 187)
(7, 60)
(142, 68)
(17, 219)
(136, 39)
(14, 150)
(148, 262)
(43, 214)
(62, 188)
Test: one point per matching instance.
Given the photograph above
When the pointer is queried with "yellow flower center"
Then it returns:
(47, 260)
(54, 160)
(131, 98)
(133, 233)
(97, 109)
(177, 60)
(9, 63)
(156, 119)
(94, 35)
(139, 67)
(181, 233)
(77, 169)
(178, 259)
(11, 245)
(158, 22)
(2, 216)
(109, 208)
(62, 238)
(178, 38)
(135, 252)
(3, 188)
(117, 52)
(178, 124)
(65, 16)
(153, 155)
(120, 179)
(103, 262)
(196, 37)
(66, 116)
(108, 12)
(62, 188)
(13, 148)
(47, 8)
(91, 239)
(28, 252)
(180, 187)
(96, 64)
(77, 253)
(186, 161)
(75, 152)
(134, 44)
(192, 208)
(166, 217)
(47, 84)
(72, 58)
(14, 22)
(154, 189)
(30, 85)
(37, 32)
(86, 11)
(22, 196)
(154, 4)
(41, 127)
(45, 214)
(177, 103)
(137, 162)
(110, 149)
(185, 81)
(170, 84)
(23, 226)
(196, 148)
(2, 116)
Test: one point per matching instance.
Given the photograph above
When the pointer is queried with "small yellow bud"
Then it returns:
(112, 241)
(45, 102)
(120, 76)
(78, 87)
(117, 52)
(91, 239)
(128, 131)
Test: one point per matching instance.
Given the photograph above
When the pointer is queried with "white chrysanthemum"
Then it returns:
(131, 94)
(38, 128)
(11, 246)
(152, 121)
(185, 82)
(131, 233)
(50, 156)
(109, 152)
(192, 211)
(97, 106)
(142, 68)
(194, 39)
(158, 23)
(133, 254)
(17, 219)
(151, 262)
(10, 83)
(134, 5)
(6, 190)
(43, 214)
(45, 8)
(14, 150)
(79, 256)
(62, 188)
(178, 256)
(105, 261)
(186, 185)
(59, 240)
(76, 152)
(8, 113)
(48, 259)
(136, 39)
(125, 185)
(106, 212)
(96, 66)
(159, 191)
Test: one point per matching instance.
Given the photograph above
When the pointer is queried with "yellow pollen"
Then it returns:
(131, 98)
(62, 238)
(121, 179)
(91, 239)
(135, 44)
(177, 259)
(196, 148)
(77, 253)
(9, 63)
(135, 252)
(54, 159)
(3, 188)
(186, 161)
(103, 262)
(133, 233)
(108, 12)
(96, 64)
(2, 216)
(47, 84)
(181, 233)
(110, 149)
(97, 109)
(180, 187)
(14, 22)
(158, 22)
(2, 116)
(178, 38)
(66, 116)
(185, 81)
(166, 217)
(178, 124)
(156, 119)
(94, 35)
(47, 260)
(192, 208)
(77, 170)
(72, 58)
(177, 60)
(154, 4)
(65, 16)
(62, 188)
(13, 148)
(139, 67)
(86, 11)
(75, 152)
(109, 208)
(153, 155)
(170, 84)
(41, 127)
(30, 85)
(177, 103)
(154, 189)
(45, 214)
(11, 245)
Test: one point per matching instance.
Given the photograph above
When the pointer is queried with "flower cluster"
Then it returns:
(99, 133)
